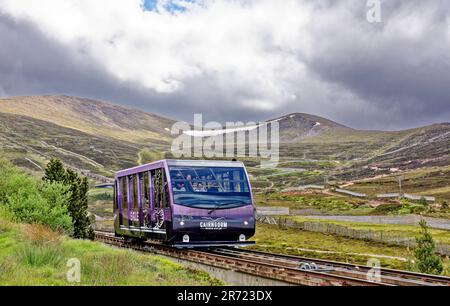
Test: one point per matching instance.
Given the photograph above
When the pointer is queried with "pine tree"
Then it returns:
(55, 172)
(444, 205)
(423, 201)
(426, 259)
(78, 203)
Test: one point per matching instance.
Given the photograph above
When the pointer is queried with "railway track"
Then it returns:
(288, 269)
(386, 276)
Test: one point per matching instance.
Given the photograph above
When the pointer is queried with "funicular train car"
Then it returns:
(185, 203)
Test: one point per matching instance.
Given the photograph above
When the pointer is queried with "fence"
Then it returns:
(339, 230)
(354, 194)
(415, 197)
(407, 196)
(272, 211)
(305, 187)
(388, 195)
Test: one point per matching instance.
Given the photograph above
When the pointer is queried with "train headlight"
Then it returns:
(242, 237)
(182, 223)
(245, 223)
(186, 238)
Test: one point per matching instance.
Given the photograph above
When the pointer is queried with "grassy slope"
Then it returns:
(321, 202)
(410, 231)
(30, 255)
(92, 117)
(23, 137)
(433, 181)
(271, 238)
(294, 242)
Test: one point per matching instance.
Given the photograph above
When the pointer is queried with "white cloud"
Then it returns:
(255, 42)
(254, 59)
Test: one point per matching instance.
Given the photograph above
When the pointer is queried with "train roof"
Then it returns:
(204, 163)
(179, 163)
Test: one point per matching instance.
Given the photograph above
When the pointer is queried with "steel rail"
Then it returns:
(253, 267)
(389, 276)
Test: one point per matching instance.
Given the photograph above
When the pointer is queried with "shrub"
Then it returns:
(37, 256)
(423, 201)
(6, 218)
(44, 205)
(29, 200)
(386, 209)
(38, 234)
(426, 259)
(78, 196)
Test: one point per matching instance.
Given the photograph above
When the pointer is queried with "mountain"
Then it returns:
(88, 135)
(298, 126)
(99, 138)
(316, 138)
(92, 117)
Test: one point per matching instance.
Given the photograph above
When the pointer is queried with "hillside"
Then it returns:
(90, 136)
(298, 126)
(100, 138)
(33, 255)
(314, 138)
(92, 117)
(31, 143)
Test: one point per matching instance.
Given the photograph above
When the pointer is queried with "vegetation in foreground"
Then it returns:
(30, 200)
(37, 215)
(77, 202)
(59, 200)
(32, 254)
(426, 261)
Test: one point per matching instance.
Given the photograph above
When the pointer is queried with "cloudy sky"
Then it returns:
(236, 59)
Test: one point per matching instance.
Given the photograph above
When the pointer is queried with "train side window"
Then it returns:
(124, 189)
(124, 200)
(133, 193)
(166, 197)
(115, 202)
(157, 180)
(144, 188)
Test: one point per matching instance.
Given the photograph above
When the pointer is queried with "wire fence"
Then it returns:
(339, 230)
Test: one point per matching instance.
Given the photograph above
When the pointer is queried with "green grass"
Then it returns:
(322, 202)
(27, 260)
(294, 242)
(344, 205)
(271, 238)
(411, 231)
(433, 181)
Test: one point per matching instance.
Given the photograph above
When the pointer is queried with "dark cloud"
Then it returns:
(385, 76)
(400, 66)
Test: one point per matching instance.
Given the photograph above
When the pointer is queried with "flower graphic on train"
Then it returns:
(158, 216)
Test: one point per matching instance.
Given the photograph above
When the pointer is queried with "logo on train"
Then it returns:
(213, 224)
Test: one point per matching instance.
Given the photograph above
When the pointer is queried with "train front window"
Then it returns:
(210, 187)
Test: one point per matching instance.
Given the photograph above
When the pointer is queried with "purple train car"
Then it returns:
(185, 203)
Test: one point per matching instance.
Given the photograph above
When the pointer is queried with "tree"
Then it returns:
(26, 199)
(78, 201)
(423, 201)
(55, 172)
(426, 259)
